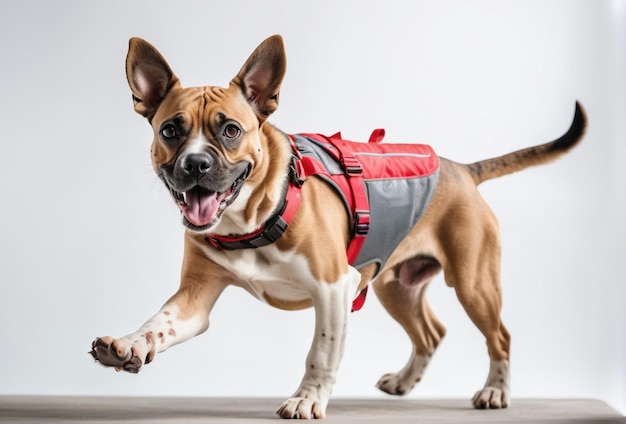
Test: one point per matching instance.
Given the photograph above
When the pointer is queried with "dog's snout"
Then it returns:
(197, 164)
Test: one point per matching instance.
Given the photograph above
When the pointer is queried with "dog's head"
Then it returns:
(207, 140)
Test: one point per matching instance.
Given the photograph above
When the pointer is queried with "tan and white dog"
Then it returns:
(227, 169)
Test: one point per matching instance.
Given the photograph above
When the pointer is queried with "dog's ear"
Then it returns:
(149, 76)
(261, 76)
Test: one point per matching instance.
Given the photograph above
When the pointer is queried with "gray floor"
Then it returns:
(36, 410)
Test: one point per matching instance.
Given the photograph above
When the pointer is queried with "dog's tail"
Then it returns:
(537, 155)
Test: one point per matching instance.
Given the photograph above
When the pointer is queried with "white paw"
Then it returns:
(301, 408)
(496, 393)
(403, 382)
(396, 384)
(492, 397)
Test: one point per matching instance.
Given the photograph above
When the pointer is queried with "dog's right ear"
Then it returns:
(149, 76)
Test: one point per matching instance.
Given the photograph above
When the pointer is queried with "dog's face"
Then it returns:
(205, 144)
(207, 140)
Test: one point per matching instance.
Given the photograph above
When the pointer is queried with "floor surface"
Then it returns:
(101, 410)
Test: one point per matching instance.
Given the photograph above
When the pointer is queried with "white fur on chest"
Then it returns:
(267, 270)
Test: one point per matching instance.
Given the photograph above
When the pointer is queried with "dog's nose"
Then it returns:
(197, 164)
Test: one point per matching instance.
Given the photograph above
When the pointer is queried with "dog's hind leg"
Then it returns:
(475, 276)
(402, 291)
(483, 307)
(482, 302)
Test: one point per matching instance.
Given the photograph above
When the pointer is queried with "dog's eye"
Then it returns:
(231, 131)
(168, 132)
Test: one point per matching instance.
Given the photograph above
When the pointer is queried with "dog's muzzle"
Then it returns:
(201, 205)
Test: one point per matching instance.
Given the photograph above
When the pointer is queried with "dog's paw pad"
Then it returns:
(113, 353)
(301, 408)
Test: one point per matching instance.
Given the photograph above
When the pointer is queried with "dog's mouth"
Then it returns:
(202, 208)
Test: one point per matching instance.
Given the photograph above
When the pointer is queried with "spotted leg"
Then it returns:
(160, 332)
(332, 304)
(184, 316)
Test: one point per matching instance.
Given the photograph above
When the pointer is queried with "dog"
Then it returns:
(229, 171)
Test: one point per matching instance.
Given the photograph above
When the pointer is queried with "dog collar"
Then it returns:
(275, 226)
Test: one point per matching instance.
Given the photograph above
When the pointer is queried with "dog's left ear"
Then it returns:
(261, 76)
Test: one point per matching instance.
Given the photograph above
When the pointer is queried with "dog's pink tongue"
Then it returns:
(200, 207)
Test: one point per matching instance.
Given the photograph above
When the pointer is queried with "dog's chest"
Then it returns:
(267, 272)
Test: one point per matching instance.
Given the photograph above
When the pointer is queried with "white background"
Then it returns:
(91, 243)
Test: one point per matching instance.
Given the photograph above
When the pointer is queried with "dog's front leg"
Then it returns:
(332, 304)
(182, 317)
(168, 327)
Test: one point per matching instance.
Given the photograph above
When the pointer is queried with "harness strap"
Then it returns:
(273, 228)
(302, 167)
(359, 204)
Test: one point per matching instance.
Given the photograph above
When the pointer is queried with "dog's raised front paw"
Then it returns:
(301, 408)
(491, 397)
(116, 353)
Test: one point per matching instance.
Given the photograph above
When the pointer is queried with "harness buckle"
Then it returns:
(361, 223)
(352, 165)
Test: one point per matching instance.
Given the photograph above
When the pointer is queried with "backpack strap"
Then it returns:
(350, 183)
(354, 192)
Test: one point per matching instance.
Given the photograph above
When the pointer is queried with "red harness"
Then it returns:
(349, 182)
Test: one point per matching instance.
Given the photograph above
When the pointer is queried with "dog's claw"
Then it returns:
(491, 397)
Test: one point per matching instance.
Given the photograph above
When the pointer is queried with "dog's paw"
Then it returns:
(401, 383)
(396, 384)
(301, 408)
(116, 353)
(492, 397)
